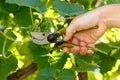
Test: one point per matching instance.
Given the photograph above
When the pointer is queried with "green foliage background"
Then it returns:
(20, 17)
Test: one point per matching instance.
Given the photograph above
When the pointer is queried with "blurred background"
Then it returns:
(21, 59)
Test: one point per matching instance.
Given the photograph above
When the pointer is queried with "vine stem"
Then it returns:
(31, 15)
(9, 38)
(3, 50)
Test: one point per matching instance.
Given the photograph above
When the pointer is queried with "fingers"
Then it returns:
(69, 32)
(65, 49)
(83, 49)
(75, 49)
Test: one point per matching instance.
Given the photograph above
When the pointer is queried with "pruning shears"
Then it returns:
(48, 37)
(56, 37)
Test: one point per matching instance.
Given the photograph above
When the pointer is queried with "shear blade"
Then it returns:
(39, 37)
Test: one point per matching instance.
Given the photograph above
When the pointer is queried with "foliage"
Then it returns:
(19, 17)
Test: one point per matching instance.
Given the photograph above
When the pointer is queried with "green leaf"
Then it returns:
(7, 66)
(58, 59)
(84, 63)
(11, 34)
(87, 58)
(5, 7)
(46, 25)
(22, 17)
(5, 45)
(86, 3)
(66, 74)
(112, 1)
(105, 62)
(116, 53)
(84, 66)
(40, 55)
(103, 48)
(29, 3)
(66, 9)
(46, 74)
(24, 49)
(1, 43)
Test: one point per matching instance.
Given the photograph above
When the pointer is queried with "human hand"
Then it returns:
(81, 31)
(85, 39)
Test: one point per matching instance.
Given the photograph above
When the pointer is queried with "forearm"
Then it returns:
(110, 15)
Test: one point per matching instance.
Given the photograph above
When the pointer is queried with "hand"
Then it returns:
(79, 32)
(85, 38)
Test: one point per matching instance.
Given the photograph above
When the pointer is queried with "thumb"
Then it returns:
(69, 33)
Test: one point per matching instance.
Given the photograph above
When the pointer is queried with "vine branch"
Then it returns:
(31, 15)
(3, 50)
(22, 73)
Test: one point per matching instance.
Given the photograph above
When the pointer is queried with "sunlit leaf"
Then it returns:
(24, 49)
(58, 59)
(46, 25)
(103, 48)
(116, 53)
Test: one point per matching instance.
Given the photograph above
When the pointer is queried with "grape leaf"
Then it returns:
(22, 17)
(84, 66)
(84, 63)
(116, 53)
(6, 66)
(112, 1)
(40, 55)
(66, 74)
(103, 48)
(5, 7)
(46, 74)
(24, 49)
(105, 62)
(29, 3)
(87, 3)
(66, 9)
(46, 25)
(58, 59)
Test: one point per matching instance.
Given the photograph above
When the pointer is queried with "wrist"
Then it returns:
(110, 15)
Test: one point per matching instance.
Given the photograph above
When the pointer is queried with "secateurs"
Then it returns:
(57, 38)
(48, 37)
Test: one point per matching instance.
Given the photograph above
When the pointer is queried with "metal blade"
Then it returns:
(39, 37)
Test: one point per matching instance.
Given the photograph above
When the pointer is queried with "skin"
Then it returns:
(79, 32)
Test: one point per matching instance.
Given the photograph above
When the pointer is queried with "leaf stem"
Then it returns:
(3, 50)
(9, 38)
(31, 18)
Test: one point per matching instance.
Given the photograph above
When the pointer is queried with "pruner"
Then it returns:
(56, 37)
(41, 38)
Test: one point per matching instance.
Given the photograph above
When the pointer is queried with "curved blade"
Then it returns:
(39, 37)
